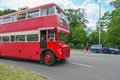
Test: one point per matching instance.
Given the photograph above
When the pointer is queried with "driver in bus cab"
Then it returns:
(49, 38)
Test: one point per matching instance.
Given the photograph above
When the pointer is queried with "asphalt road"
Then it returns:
(80, 66)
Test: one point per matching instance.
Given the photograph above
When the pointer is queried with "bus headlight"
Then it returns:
(60, 52)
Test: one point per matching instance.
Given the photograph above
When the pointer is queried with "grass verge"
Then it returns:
(9, 72)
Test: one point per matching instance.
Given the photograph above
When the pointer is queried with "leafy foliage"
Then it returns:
(6, 11)
(114, 27)
(110, 27)
(115, 3)
(76, 17)
(77, 20)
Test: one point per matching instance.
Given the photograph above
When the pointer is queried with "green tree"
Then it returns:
(6, 11)
(77, 20)
(93, 37)
(115, 3)
(114, 27)
(110, 26)
(79, 36)
(105, 21)
(76, 17)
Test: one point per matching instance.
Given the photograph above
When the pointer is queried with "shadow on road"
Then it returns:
(61, 63)
(58, 62)
(20, 60)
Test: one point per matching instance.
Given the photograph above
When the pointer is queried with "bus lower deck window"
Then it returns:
(12, 38)
(5, 38)
(32, 37)
(20, 38)
(0, 39)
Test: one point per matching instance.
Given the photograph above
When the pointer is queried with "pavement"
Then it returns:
(80, 66)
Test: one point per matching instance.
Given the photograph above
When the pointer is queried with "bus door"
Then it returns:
(43, 39)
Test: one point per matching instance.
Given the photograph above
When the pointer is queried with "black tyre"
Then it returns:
(94, 51)
(112, 52)
(49, 58)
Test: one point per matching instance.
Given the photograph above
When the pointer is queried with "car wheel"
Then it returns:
(49, 58)
(112, 52)
(94, 51)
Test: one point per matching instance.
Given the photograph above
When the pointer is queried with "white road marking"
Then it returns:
(84, 65)
(92, 58)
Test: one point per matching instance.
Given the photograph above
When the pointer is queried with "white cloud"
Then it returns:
(91, 25)
(15, 4)
(92, 11)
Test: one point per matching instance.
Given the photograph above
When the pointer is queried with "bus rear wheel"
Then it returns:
(49, 58)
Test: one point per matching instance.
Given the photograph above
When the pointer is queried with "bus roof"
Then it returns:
(32, 9)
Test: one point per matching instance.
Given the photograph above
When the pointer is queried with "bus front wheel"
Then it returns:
(49, 58)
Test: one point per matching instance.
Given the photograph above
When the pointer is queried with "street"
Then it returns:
(80, 66)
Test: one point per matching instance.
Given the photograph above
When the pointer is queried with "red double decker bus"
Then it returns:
(36, 34)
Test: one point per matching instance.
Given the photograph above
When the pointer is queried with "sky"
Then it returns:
(91, 7)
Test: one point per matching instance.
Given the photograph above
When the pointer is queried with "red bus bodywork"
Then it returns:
(32, 50)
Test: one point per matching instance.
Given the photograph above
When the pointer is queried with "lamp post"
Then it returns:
(99, 21)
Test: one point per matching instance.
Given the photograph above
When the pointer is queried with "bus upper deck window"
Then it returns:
(1, 21)
(14, 18)
(51, 10)
(21, 16)
(33, 14)
(44, 12)
(7, 20)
